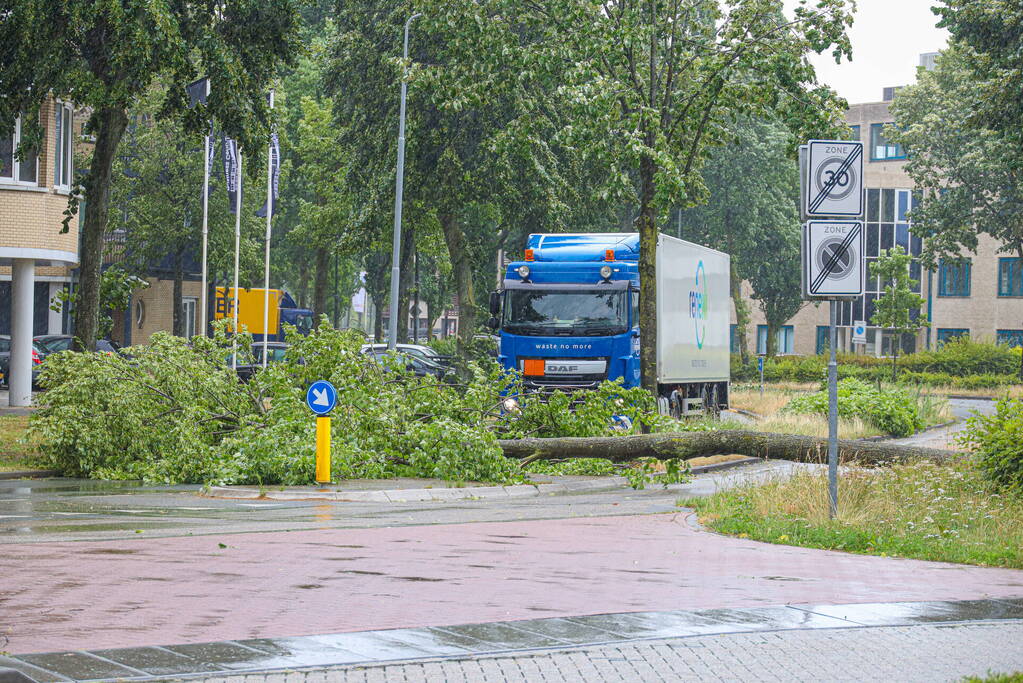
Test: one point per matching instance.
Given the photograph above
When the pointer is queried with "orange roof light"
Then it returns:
(529, 254)
(609, 254)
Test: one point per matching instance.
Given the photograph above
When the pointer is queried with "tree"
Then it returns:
(462, 162)
(894, 310)
(103, 55)
(968, 168)
(647, 88)
(775, 278)
(752, 215)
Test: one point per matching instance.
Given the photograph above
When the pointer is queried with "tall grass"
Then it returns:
(924, 511)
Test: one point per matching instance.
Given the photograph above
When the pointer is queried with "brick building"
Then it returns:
(35, 257)
(982, 299)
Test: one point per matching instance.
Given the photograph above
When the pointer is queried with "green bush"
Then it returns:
(893, 411)
(998, 442)
(175, 412)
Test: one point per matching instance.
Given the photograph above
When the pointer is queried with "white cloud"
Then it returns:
(887, 37)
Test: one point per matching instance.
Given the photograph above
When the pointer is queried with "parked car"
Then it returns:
(5, 359)
(415, 350)
(53, 343)
(275, 352)
(419, 366)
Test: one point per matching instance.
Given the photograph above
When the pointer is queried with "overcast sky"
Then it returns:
(887, 39)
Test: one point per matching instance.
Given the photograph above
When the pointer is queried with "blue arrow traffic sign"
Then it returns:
(321, 397)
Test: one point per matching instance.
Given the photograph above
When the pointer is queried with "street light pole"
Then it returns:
(392, 323)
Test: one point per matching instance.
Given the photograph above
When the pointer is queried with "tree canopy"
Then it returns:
(646, 89)
(103, 54)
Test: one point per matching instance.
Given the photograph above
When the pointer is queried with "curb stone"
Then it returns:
(444, 494)
(29, 474)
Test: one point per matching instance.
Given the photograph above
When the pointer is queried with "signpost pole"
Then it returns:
(833, 415)
(237, 257)
(323, 450)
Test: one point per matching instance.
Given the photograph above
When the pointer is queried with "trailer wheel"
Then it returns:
(715, 404)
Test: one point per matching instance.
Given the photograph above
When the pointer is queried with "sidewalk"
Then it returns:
(895, 641)
(194, 589)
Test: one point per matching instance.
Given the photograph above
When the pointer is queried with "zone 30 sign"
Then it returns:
(834, 179)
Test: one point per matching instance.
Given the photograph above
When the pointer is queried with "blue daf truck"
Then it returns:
(568, 316)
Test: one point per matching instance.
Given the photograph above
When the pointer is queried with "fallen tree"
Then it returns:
(685, 445)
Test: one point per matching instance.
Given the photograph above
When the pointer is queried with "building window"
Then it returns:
(784, 339)
(62, 157)
(1011, 338)
(823, 338)
(13, 170)
(733, 341)
(1010, 277)
(880, 148)
(188, 315)
(854, 136)
(954, 278)
(947, 333)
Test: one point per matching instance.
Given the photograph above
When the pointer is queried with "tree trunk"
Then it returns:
(408, 242)
(896, 343)
(742, 316)
(320, 279)
(303, 286)
(686, 445)
(110, 124)
(178, 324)
(461, 268)
(378, 320)
(772, 339)
(647, 227)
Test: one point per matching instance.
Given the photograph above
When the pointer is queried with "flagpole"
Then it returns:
(237, 257)
(205, 227)
(266, 256)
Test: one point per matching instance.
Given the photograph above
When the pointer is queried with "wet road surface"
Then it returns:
(348, 567)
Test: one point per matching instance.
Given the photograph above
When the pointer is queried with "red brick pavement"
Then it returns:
(87, 595)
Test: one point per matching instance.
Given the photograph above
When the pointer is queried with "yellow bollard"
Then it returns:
(322, 450)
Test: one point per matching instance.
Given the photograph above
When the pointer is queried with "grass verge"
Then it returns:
(17, 451)
(946, 513)
(769, 407)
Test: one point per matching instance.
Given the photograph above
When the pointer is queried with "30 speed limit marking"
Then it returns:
(834, 179)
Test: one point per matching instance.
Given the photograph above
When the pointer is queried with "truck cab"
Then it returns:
(568, 316)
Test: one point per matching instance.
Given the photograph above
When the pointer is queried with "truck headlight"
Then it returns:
(605, 272)
(523, 272)
(510, 405)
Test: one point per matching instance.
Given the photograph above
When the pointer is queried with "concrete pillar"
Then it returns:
(20, 366)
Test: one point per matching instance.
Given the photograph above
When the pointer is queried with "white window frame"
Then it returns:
(15, 178)
(66, 136)
(189, 302)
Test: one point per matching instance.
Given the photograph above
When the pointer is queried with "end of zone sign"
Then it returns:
(833, 259)
(834, 179)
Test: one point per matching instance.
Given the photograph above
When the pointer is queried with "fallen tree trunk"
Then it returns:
(685, 445)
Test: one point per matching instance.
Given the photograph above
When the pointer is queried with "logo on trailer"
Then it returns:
(698, 305)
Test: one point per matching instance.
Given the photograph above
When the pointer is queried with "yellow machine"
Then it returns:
(282, 310)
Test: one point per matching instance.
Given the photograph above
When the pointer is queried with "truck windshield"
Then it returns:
(566, 313)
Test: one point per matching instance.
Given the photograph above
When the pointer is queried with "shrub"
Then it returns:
(175, 412)
(998, 442)
(893, 411)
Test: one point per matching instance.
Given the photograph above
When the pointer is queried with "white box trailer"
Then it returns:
(693, 314)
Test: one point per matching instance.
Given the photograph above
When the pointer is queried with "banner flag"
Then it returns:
(231, 178)
(275, 174)
(198, 91)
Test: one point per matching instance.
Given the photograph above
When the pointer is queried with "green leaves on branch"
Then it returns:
(175, 412)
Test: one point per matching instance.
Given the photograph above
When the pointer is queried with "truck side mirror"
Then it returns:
(495, 303)
(493, 323)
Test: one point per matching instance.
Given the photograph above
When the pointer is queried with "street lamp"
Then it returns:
(392, 324)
